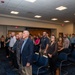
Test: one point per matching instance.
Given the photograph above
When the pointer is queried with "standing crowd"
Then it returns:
(21, 47)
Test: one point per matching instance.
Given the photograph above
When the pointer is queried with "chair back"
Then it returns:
(62, 56)
(43, 61)
(35, 57)
(73, 54)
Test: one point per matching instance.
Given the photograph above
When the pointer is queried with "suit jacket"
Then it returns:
(17, 47)
(27, 53)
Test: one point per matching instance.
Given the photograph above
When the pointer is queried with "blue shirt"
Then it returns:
(23, 44)
(73, 40)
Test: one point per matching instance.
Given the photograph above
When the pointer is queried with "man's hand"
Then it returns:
(28, 64)
(45, 51)
(40, 50)
(50, 55)
(12, 51)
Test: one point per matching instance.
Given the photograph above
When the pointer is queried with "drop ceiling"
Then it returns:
(44, 8)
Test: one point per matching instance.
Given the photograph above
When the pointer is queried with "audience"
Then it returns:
(26, 54)
(72, 41)
(7, 40)
(37, 44)
(20, 47)
(16, 49)
(2, 41)
(66, 42)
(11, 44)
(60, 45)
(52, 55)
(44, 44)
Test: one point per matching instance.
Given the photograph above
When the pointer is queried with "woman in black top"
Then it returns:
(2, 42)
(7, 40)
(52, 55)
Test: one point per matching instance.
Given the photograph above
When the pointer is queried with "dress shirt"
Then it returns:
(66, 43)
(23, 44)
(12, 41)
(73, 40)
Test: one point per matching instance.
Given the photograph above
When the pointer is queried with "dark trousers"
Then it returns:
(72, 47)
(13, 59)
(36, 48)
(7, 51)
(52, 64)
(2, 45)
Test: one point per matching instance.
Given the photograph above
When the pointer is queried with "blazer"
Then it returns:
(27, 53)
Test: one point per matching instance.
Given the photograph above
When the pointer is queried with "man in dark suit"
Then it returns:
(26, 54)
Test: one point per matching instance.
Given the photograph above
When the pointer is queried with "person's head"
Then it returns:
(52, 34)
(39, 34)
(47, 34)
(17, 36)
(53, 38)
(65, 36)
(2, 36)
(13, 34)
(7, 36)
(73, 35)
(60, 40)
(69, 35)
(44, 34)
(25, 34)
(20, 34)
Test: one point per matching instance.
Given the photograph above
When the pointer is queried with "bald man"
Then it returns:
(44, 44)
(17, 46)
(11, 44)
(26, 54)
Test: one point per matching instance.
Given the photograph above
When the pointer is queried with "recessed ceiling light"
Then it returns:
(37, 16)
(32, 1)
(54, 19)
(61, 8)
(14, 12)
(66, 21)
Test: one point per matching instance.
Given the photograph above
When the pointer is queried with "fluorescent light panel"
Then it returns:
(14, 12)
(37, 16)
(61, 8)
(66, 21)
(32, 1)
(54, 19)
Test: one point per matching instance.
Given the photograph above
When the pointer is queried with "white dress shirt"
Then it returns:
(12, 41)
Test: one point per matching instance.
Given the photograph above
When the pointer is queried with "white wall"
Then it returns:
(74, 28)
(3, 31)
(68, 29)
(20, 22)
(15, 29)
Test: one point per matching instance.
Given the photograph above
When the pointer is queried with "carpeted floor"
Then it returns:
(6, 69)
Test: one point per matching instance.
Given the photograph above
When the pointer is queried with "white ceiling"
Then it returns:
(45, 8)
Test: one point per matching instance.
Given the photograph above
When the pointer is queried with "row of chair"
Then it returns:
(40, 63)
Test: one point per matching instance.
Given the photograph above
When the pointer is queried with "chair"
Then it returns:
(41, 65)
(71, 57)
(62, 61)
(67, 51)
(35, 57)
